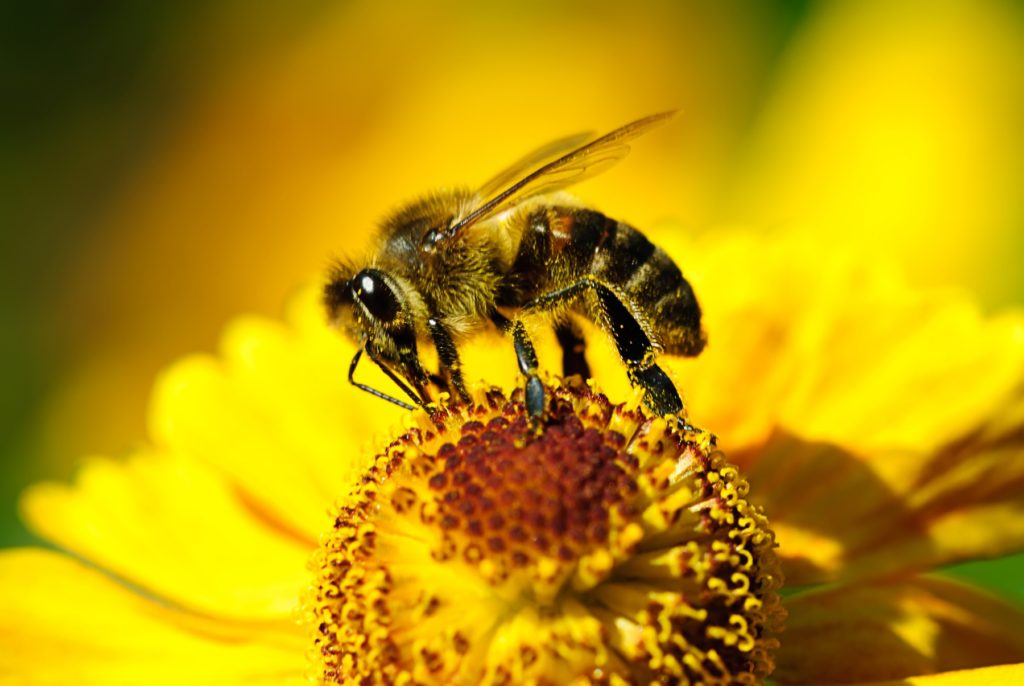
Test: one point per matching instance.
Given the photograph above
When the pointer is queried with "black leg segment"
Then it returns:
(526, 356)
(574, 361)
(448, 355)
(634, 345)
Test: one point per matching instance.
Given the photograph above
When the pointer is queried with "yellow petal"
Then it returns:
(871, 633)
(175, 528)
(276, 414)
(62, 622)
(831, 345)
(1003, 675)
(879, 426)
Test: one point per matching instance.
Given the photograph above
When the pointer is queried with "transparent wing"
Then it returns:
(528, 163)
(582, 163)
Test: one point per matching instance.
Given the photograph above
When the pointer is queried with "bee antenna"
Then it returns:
(373, 391)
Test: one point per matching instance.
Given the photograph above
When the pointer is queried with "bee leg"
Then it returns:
(380, 394)
(526, 356)
(574, 361)
(634, 345)
(448, 355)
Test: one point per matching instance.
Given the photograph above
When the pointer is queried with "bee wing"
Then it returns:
(528, 163)
(579, 164)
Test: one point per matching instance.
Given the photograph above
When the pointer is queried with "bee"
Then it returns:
(456, 262)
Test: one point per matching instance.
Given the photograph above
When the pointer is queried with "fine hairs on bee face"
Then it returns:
(452, 263)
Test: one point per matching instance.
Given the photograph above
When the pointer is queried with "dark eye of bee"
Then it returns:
(375, 295)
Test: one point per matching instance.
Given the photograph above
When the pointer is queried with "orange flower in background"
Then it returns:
(876, 427)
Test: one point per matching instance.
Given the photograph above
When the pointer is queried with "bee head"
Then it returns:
(369, 308)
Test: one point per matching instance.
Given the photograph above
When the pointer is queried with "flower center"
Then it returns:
(611, 548)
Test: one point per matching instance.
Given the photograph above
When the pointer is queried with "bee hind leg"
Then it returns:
(634, 345)
(526, 356)
(574, 360)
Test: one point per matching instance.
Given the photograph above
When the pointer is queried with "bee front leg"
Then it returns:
(448, 355)
(526, 356)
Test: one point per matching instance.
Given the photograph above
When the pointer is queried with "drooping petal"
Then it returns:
(872, 633)
(1003, 675)
(62, 622)
(177, 529)
(840, 516)
(965, 501)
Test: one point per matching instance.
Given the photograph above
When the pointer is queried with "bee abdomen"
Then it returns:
(560, 246)
(644, 274)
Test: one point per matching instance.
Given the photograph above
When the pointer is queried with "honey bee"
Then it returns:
(455, 262)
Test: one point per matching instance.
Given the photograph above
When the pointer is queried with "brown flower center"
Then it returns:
(612, 548)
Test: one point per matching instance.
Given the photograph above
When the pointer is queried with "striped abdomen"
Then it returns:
(560, 246)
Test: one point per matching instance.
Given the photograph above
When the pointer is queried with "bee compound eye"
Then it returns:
(375, 295)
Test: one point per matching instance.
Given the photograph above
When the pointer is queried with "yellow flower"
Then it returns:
(879, 428)
(611, 547)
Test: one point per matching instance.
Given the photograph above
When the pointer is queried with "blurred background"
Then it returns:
(166, 166)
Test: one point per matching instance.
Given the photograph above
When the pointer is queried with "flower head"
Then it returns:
(473, 551)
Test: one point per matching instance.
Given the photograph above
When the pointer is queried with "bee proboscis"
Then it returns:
(452, 263)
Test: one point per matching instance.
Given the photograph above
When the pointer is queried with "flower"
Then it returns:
(879, 428)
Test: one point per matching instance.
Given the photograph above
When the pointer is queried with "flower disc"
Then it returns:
(609, 548)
